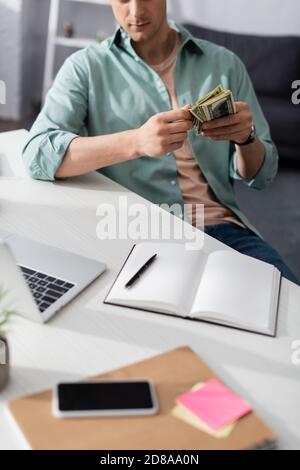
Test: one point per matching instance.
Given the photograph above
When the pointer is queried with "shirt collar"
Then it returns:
(187, 39)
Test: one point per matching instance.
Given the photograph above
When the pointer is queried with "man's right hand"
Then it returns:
(164, 132)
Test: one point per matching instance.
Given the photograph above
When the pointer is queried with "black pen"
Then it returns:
(141, 271)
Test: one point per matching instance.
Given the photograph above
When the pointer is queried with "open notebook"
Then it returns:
(223, 287)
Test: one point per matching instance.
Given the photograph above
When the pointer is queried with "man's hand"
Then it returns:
(236, 127)
(164, 132)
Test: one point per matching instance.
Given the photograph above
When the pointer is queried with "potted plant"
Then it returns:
(5, 315)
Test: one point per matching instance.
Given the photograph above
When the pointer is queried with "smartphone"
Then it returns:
(104, 398)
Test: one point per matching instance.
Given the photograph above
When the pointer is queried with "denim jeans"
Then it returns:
(247, 242)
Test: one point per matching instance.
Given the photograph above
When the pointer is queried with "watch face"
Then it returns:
(253, 134)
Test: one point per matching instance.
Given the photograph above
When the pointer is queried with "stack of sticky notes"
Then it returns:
(212, 408)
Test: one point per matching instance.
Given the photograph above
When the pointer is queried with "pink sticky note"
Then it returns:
(215, 404)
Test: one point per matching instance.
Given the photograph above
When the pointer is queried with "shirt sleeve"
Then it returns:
(269, 168)
(60, 121)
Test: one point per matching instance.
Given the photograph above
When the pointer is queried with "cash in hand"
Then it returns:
(216, 104)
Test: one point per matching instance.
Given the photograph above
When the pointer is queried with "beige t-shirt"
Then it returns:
(194, 187)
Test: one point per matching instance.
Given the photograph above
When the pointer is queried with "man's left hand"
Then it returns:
(236, 127)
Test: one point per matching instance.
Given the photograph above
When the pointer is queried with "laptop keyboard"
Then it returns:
(45, 289)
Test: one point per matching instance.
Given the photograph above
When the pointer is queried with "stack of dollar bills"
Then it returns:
(216, 104)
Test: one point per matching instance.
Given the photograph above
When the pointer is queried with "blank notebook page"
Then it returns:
(237, 287)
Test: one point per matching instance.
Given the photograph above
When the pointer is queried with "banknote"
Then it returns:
(217, 103)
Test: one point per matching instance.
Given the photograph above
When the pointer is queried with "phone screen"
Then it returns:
(85, 396)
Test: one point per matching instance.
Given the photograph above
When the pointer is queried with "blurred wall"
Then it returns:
(11, 56)
(264, 17)
(34, 39)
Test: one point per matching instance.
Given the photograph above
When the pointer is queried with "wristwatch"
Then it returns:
(250, 139)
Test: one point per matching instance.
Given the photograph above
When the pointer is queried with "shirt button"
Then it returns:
(173, 182)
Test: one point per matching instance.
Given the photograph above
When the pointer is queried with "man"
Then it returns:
(132, 94)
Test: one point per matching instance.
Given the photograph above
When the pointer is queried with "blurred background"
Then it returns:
(37, 35)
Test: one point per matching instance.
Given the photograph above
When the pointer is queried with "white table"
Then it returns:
(88, 337)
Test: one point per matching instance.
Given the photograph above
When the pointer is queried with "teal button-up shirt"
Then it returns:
(108, 88)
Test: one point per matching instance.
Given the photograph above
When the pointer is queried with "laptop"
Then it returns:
(40, 279)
